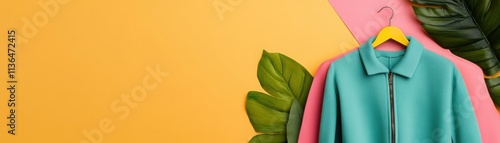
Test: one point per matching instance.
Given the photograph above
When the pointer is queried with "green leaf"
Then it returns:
(278, 115)
(469, 28)
(294, 122)
(283, 77)
(265, 116)
(268, 138)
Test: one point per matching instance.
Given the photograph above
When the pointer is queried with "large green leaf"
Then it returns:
(267, 114)
(278, 115)
(294, 122)
(283, 77)
(469, 28)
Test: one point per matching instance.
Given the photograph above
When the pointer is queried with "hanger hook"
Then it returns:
(392, 13)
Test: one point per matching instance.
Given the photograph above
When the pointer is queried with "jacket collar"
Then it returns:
(405, 67)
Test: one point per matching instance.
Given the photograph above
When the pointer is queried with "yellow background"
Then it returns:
(90, 53)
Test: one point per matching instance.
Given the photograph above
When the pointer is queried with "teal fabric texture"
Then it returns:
(407, 96)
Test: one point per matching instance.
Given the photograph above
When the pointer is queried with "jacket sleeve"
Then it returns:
(464, 127)
(329, 127)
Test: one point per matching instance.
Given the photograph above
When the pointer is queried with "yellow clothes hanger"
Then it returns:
(390, 32)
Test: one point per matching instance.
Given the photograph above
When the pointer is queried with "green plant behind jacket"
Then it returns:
(277, 116)
(469, 28)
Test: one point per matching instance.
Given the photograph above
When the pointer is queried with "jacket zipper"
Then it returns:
(391, 94)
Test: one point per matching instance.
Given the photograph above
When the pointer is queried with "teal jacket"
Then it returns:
(408, 96)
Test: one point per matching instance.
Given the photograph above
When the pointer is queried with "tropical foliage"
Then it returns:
(277, 116)
(470, 29)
